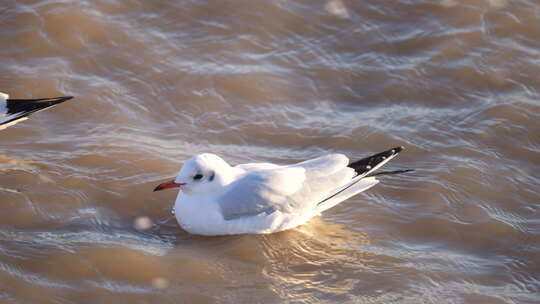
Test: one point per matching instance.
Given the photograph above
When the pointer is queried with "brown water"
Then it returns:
(456, 82)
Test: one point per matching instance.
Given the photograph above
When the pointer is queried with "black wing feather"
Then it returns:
(366, 164)
(21, 108)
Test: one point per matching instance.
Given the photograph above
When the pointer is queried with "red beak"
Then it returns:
(168, 185)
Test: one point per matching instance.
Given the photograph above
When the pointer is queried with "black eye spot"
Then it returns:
(211, 178)
(197, 176)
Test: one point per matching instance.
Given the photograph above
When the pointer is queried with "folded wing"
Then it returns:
(261, 191)
(310, 186)
(289, 189)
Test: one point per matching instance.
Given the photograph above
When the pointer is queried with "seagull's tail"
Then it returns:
(364, 179)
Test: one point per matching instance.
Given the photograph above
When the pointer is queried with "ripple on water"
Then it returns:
(453, 81)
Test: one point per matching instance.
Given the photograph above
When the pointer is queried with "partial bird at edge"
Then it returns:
(13, 111)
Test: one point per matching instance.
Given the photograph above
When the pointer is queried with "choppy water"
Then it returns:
(456, 82)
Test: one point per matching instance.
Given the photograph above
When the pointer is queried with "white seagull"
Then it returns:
(216, 198)
(13, 111)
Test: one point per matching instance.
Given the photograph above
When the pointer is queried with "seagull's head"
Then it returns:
(200, 174)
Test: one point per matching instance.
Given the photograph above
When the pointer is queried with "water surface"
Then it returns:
(456, 82)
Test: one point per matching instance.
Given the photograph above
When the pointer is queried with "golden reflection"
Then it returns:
(11, 164)
(498, 4)
(142, 223)
(8, 164)
(313, 256)
(337, 8)
(9, 190)
(332, 234)
(160, 283)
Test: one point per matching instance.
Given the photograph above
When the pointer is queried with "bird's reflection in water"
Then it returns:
(320, 255)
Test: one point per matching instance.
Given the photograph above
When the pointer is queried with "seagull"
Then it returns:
(13, 111)
(216, 198)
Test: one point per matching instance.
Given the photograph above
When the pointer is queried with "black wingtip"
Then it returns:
(64, 98)
(367, 164)
(28, 106)
(54, 100)
(394, 150)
